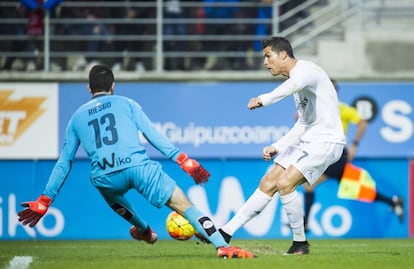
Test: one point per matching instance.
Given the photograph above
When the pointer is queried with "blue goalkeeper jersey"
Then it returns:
(108, 129)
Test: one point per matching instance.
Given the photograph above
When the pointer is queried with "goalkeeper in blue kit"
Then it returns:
(107, 127)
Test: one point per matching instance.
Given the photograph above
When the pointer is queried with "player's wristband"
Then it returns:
(355, 143)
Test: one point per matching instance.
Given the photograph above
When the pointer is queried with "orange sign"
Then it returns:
(28, 120)
(17, 115)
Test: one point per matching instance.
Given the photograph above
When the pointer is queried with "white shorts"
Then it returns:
(311, 158)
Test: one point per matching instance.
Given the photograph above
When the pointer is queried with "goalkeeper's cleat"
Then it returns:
(148, 235)
(230, 252)
(298, 248)
(398, 207)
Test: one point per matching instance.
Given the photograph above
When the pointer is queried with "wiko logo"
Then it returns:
(17, 115)
(114, 161)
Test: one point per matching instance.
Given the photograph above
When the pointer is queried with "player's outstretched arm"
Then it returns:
(193, 168)
(35, 210)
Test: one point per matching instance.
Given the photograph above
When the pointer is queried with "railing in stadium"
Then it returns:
(159, 36)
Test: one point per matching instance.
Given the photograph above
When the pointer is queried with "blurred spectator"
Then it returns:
(136, 30)
(101, 44)
(11, 29)
(98, 35)
(194, 11)
(263, 29)
(174, 11)
(266, 12)
(215, 13)
(126, 29)
(34, 10)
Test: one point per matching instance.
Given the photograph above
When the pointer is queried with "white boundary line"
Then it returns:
(20, 262)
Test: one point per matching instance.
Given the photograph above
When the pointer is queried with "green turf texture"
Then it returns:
(172, 254)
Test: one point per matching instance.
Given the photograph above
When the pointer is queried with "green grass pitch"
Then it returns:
(332, 253)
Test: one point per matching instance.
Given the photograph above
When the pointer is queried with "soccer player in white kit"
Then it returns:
(303, 154)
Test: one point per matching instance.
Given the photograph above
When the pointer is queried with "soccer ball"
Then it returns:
(179, 227)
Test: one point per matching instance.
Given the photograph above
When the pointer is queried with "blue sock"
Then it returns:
(205, 226)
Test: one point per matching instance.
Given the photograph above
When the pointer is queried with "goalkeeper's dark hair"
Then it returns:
(278, 44)
(100, 78)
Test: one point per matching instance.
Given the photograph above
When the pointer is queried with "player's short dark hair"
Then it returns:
(278, 44)
(100, 78)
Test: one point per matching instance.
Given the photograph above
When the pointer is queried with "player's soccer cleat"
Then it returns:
(398, 207)
(298, 248)
(225, 235)
(148, 236)
(231, 252)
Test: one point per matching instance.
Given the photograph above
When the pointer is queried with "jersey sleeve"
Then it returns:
(64, 164)
(349, 114)
(354, 116)
(153, 136)
(285, 89)
(297, 81)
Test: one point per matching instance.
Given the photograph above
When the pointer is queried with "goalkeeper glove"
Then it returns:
(193, 168)
(35, 211)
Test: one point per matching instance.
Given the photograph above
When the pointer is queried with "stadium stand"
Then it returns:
(170, 39)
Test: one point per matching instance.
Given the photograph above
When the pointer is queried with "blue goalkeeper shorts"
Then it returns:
(149, 179)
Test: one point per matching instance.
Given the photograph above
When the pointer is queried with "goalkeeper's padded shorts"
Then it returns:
(149, 179)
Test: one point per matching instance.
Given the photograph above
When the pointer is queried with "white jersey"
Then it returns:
(316, 103)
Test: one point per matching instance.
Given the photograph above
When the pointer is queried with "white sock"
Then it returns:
(253, 206)
(293, 206)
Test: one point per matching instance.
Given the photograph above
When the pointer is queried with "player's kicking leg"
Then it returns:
(205, 226)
